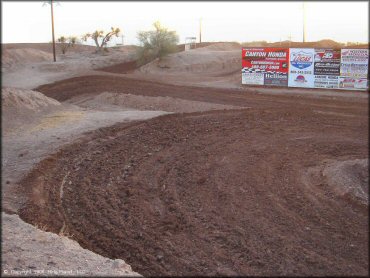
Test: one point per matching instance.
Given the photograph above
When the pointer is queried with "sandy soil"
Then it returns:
(258, 181)
(55, 255)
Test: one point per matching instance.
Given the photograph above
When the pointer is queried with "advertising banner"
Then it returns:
(353, 83)
(354, 69)
(354, 63)
(326, 81)
(265, 66)
(306, 67)
(301, 67)
(327, 68)
(327, 62)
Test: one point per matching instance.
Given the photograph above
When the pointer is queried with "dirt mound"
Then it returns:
(19, 99)
(23, 106)
(169, 104)
(16, 57)
(216, 193)
(36, 250)
(349, 178)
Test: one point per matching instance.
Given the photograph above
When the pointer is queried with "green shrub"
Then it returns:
(156, 43)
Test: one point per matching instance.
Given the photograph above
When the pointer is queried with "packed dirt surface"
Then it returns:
(227, 192)
(35, 126)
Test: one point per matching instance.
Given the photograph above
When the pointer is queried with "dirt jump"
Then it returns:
(205, 179)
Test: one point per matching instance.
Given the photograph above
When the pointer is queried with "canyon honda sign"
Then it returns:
(265, 66)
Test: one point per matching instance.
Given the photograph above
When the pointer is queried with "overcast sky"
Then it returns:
(221, 21)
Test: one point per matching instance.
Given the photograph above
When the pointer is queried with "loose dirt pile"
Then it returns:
(13, 98)
(212, 193)
(51, 254)
(20, 107)
(350, 178)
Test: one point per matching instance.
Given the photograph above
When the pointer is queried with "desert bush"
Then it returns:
(66, 42)
(156, 43)
(100, 38)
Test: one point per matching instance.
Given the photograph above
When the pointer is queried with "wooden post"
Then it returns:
(52, 28)
(304, 23)
(200, 30)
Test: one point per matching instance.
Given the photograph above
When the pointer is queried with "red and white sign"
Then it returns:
(265, 66)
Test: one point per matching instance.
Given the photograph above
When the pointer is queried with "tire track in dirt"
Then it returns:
(213, 193)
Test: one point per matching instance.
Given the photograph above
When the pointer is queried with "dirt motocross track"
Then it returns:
(228, 192)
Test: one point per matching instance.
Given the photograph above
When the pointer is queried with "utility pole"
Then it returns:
(52, 24)
(304, 22)
(200, 30)
(290, 39)
(52, 29)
